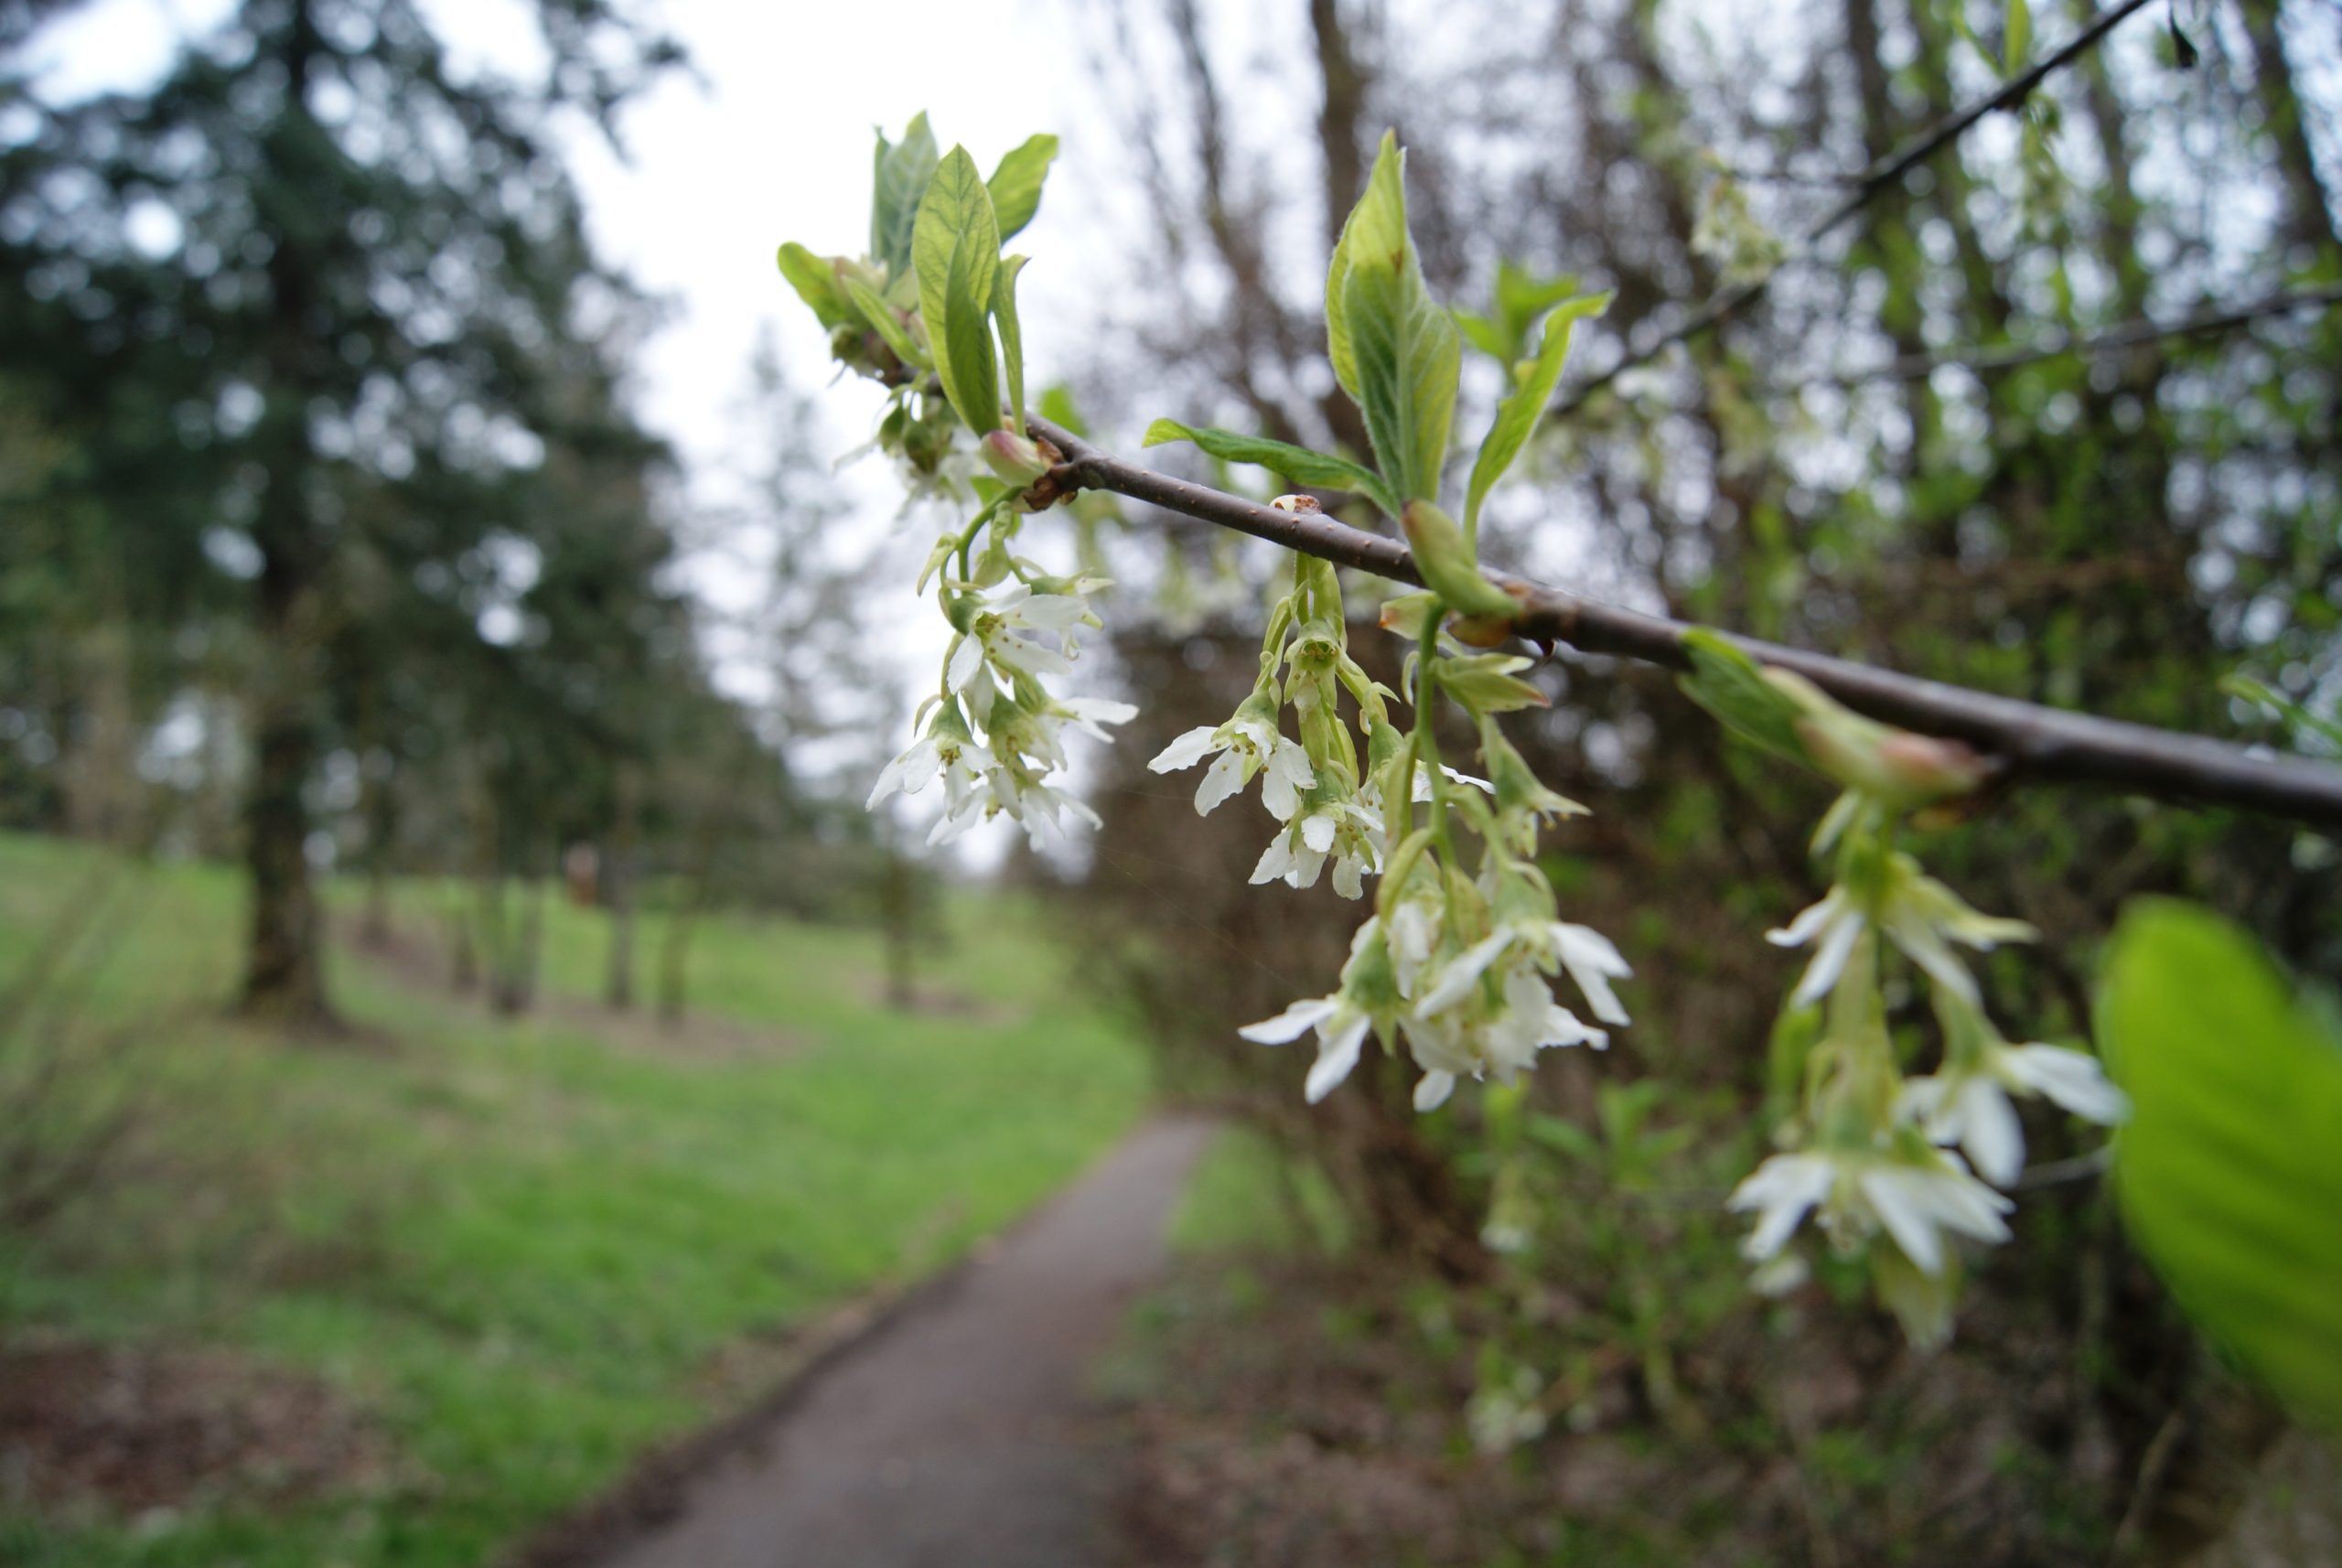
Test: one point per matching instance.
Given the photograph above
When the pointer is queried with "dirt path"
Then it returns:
(963, 1433)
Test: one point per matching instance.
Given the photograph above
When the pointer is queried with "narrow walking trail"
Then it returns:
(963, 1433)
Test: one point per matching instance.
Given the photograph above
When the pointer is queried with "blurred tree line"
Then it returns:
(330, 537)
(2111, 531)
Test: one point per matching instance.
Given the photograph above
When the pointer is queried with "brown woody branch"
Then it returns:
(2026, 741)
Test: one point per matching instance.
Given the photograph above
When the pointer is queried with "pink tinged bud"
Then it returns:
(1928, 765)
(1017, 461)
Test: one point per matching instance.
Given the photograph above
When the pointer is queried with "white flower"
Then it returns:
(1347, 830)
(1449, 1041)
(1588, 955)
(1341, 1030)
(1966, 1103)
(1247, 745)
(960, 762)
(1916, 1202)
(1914, 911)
(992, 636)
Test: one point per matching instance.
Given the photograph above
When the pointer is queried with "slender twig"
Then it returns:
(2026, 741)
(2130, 334)
(1867, 187)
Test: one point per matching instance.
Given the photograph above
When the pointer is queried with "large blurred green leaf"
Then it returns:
(1015, 184)
(898, 180)
(1533, 383)
(956, 248)
(2229, 1172)
(1403, 350)
(1296, 463)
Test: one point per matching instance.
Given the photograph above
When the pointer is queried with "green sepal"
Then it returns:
(1488, 682)
(1296, 462)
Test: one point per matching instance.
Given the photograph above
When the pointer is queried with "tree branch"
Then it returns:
(2130, 334)
(2029, 741)
(1869, 185)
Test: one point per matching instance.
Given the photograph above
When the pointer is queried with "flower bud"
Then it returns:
(1893, 765)
(1017, 461)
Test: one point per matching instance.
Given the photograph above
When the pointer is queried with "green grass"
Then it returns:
(513, 1244)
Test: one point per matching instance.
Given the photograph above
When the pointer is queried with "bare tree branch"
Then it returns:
(1869, 185)
(2027, 742)
(2130, 334)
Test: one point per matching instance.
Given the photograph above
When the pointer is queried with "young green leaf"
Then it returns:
(1488, 682)
(1296, 462)
(1012, 336)
(1731, 686)
(2229, 1173)
(1517, 416)
(1015, 184)
(816, 283)
(956, 248)
(885, 322)
(1447, 565)
(1404, 350)
(2017, 37)
(899, 182)
(1377, 222)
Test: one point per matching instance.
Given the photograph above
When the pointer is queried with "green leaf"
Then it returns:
(885, 322)
(1296, 462)
(956, 250)
(1377, 222)
(1404, 350)
(1444, 558)
(1015, 184)
(2229, 1172)
(899, 182)
(1012, 336)
(1058, 408)
(2017, 37)
(816, 283)
(1517, 415)
(1731, 686)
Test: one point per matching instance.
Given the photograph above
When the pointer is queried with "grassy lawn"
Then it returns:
(516, 1246)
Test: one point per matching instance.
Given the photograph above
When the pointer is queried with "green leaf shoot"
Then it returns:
(817, 284)
(1012, 336)
(1405, 351)
(899, 182)
(1517, 416)
(1015, 184)
(1296, 462)
(956, 250)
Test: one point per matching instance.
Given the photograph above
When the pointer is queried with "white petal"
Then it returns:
(1030, 656)
(1051, 612)
(967, 658)
(1829, 960)
(1899, 1200)
(1590, 958)
(1275, 862)
(2070, 1078)
(908, 773)
(1927, 948)
(1336, 1054)
(1318, 831)
(1303, 867)
(1784, 1187)
(1992, 1134)
(1432, 1093)
(1349, 876)
(1223, 779)
(1186, 751)
(1289, 1024)
(1810, 920)
(1278, 794)
(1462, 972)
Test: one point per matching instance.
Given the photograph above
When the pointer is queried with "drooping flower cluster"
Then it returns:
(994, 733)
(1870, 1153)
(1457, 962)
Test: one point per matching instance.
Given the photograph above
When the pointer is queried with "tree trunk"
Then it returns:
(617, 888)
(284, 972)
